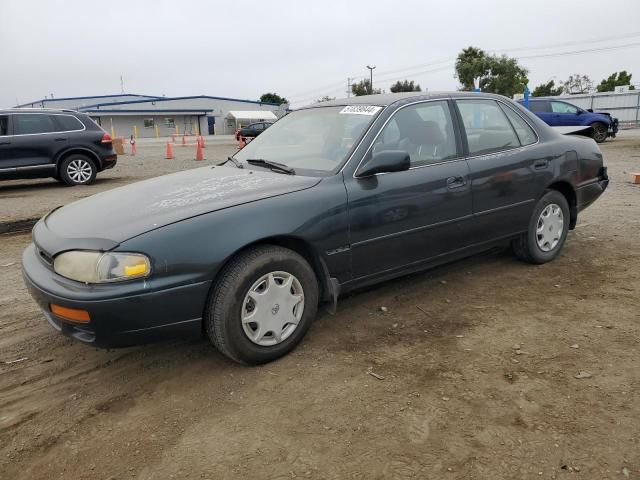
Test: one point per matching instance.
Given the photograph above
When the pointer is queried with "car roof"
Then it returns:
(386, 99)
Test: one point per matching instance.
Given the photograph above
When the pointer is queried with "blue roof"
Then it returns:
(113, 110)
(90, 96)
(166, 99)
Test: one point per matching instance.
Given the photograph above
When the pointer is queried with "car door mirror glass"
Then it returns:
(385, 162)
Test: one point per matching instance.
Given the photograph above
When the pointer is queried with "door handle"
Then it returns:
(455, 182)
(60, 139)
(540, 164)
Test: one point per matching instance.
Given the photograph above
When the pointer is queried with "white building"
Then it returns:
(149, 116)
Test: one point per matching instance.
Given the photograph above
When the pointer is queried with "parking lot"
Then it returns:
(487, 368)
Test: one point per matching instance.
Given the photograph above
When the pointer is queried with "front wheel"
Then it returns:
(600, 132)
(262, 304)
(547, 232)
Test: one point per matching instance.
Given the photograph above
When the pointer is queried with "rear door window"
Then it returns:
(487, 128)
(68, 123)
(29, 123)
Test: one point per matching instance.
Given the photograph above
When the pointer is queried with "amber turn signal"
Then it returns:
(71, 314)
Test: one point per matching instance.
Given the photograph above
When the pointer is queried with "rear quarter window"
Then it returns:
(525, 133)
(68, 123)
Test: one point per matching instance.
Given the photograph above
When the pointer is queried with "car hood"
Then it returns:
(104, 220)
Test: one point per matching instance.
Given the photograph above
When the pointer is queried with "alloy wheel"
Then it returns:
(79, 170)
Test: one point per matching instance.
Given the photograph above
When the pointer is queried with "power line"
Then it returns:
(408, 71)
(578, 52)
(566, 44)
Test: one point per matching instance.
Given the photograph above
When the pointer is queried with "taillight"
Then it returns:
(106, 138)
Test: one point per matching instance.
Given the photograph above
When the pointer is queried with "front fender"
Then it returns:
(194, 250)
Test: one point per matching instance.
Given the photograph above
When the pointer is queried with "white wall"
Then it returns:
(123, 125)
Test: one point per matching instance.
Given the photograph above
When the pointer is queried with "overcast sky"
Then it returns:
(299, 49)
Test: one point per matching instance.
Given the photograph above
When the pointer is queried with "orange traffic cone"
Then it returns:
(199, 155)
(242, 143)
(169, 153)
(184, 142)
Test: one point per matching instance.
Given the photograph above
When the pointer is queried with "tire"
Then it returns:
(77, 169)
(600, 131)
(528, 246)
(229, 302)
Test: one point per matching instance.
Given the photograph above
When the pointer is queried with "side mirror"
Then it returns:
(384, 162)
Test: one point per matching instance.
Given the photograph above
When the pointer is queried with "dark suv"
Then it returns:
(62, 144)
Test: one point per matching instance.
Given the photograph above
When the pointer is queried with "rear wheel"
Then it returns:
(547, 232)
(262, 304)
(600, 132)
(78, 170)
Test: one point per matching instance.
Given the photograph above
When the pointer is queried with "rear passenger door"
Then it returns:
(502, 167)
(35, 139)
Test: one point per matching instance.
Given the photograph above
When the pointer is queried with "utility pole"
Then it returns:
(371, 78)
(121, 85)
(349, 79)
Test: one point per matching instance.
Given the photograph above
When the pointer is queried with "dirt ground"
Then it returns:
(475, 375)
(30, 199)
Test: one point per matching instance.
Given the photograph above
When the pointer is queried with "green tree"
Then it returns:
(363, 88)
(501, 75)
(326, 98)
(617, 79)
(406, 86)
(577, 83)
(548, 89)
(273, 98)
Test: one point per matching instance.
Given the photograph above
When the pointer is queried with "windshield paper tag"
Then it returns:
(361, 109)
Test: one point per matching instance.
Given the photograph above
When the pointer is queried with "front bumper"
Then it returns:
(123, 314)
(613, 128)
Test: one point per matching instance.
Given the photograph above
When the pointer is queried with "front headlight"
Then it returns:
(99, 267)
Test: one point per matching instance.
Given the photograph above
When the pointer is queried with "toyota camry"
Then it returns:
(332, 197)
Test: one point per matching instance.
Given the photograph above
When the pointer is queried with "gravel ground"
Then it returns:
(487, 368)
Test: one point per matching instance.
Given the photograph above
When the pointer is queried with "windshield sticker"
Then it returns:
(361, 109)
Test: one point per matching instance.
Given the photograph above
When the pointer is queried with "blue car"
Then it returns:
(559, 113)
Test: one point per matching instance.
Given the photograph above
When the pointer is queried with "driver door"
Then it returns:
(399, 219)
(564, 113)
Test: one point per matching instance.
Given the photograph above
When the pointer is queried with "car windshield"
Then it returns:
(311, 141)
